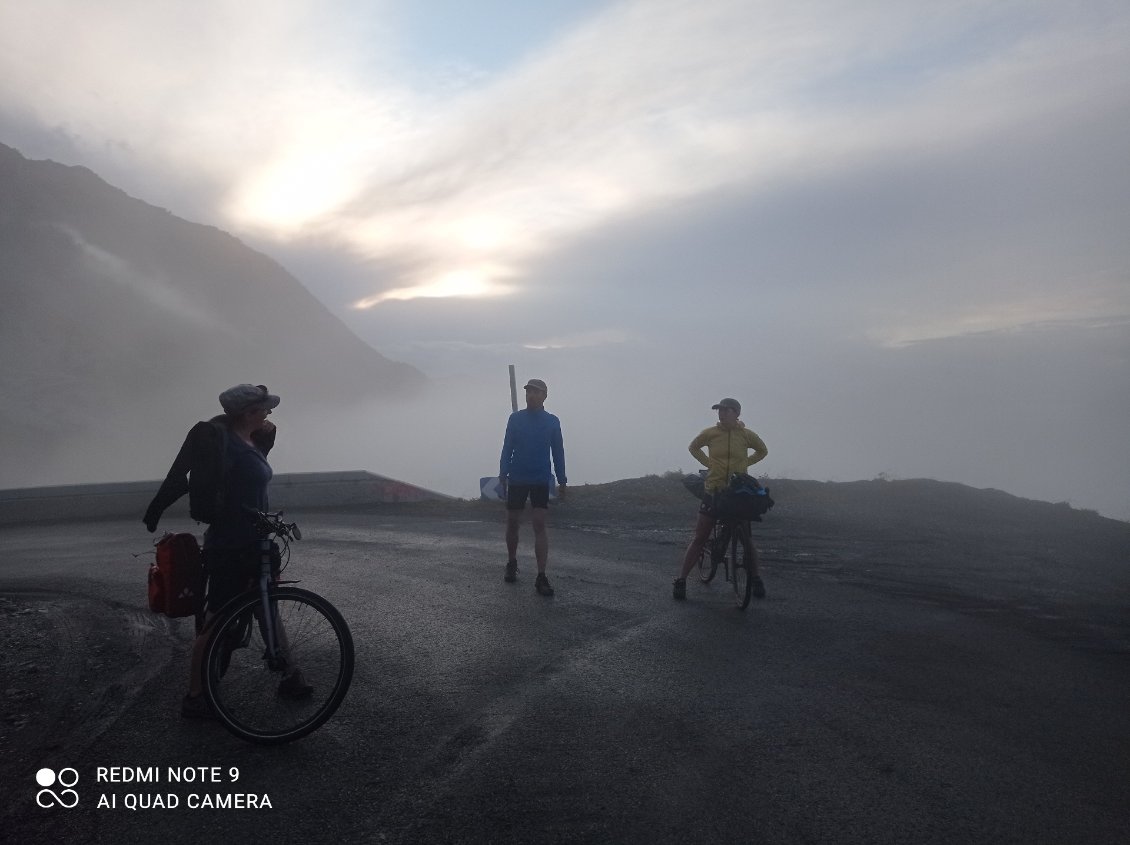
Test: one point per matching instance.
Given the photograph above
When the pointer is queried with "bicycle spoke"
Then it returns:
(260, 704)
(741, 553)
(708, 561)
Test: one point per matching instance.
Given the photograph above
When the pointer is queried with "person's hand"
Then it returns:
(267, 426)
(150, 524)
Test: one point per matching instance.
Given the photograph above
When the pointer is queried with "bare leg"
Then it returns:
(197, 662)
(694, 551)
(513, 520)
(541, 539)
(753, 570)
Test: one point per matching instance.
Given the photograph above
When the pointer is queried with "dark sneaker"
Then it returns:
(680, 591)
(196, 707)
(294, 686)
(511, 572)
(758, 587)
(542, 585)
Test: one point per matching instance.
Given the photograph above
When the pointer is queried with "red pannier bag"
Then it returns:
(176, 578)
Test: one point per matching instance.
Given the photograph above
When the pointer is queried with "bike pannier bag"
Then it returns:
(745, 498)
(176, 578)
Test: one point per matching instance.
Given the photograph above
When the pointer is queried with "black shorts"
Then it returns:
(516, 496)
(232, 572)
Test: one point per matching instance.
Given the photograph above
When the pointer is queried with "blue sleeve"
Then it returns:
(507, 449)
(557, 449)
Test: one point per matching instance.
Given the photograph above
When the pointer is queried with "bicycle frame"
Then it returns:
(270, 525)
(729, 538)
(723, 539)
(306, 678)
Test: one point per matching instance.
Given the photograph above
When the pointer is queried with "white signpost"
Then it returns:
(490, 487)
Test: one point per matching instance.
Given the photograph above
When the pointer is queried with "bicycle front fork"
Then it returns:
(720, 544)
(275, 660)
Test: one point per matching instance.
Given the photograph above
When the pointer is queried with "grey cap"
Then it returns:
(728, 403)
(537, 384)
(244, 397)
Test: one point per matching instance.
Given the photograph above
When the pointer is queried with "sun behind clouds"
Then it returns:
(287, 195)
(471, 282)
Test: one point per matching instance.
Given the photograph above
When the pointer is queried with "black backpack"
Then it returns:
(199, 470)
(206, 476)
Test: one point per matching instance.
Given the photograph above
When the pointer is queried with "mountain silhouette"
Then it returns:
(120, 318)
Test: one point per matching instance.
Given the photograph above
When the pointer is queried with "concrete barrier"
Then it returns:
(131, 498)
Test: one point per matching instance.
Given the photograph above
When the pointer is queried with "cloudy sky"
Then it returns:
(898, 232)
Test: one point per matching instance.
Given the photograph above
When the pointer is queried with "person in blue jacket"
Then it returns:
(533, 436)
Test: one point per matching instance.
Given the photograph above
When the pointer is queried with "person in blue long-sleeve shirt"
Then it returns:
(533, 437)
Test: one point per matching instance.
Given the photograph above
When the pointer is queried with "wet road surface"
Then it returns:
(842, 708)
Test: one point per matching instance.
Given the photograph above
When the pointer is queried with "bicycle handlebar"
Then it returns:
(271, 523)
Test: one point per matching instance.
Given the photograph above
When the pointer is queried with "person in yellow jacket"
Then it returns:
(727, 445)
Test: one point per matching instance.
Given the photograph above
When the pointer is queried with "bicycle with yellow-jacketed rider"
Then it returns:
(734, 509)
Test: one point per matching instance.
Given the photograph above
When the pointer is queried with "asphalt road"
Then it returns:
(839, 709)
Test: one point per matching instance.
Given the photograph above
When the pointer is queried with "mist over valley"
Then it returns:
(122, 323)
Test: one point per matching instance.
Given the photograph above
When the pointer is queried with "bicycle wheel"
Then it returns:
(716, 549)
(708, 560)
(245, 691)
(741, 558)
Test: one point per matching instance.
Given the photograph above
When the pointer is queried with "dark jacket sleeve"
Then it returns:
(175, 484)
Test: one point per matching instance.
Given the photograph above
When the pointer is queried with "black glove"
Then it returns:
(150, 522)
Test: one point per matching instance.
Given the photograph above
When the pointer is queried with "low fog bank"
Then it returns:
(913, 417)
(1040, 416)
